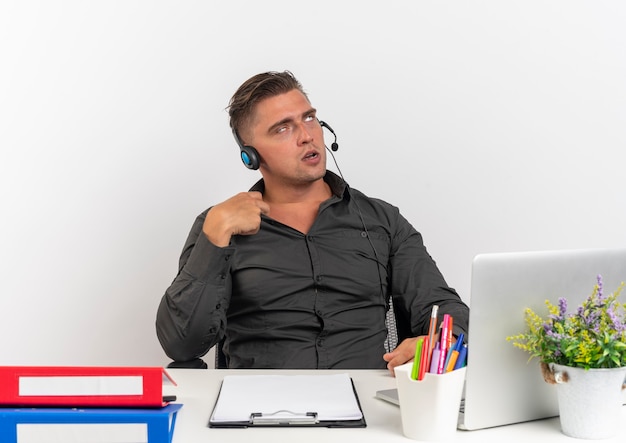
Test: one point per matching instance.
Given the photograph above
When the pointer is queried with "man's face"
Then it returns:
(289, 139)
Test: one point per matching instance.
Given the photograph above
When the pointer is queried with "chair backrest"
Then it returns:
(392, 330)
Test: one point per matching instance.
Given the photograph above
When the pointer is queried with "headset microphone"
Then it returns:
(334, 146)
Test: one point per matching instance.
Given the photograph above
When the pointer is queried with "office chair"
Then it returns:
(393, 333)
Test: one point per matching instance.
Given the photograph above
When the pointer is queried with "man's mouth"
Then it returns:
(310, 155)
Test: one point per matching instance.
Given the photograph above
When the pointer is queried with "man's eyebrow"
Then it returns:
(290, 119)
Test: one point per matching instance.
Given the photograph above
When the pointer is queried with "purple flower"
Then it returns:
(594, 317)
(562, 307)
(618, 325)
(550, 333)
(600, 296)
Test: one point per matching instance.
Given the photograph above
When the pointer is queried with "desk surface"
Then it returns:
(197, 390)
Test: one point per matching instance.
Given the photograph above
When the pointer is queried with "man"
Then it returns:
(296, 273)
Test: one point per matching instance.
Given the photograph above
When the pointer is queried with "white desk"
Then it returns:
(197, 389)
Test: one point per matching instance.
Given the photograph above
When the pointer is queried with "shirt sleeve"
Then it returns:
(191, 316)
(417, 285)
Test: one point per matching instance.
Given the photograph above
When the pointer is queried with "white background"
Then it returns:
(494, 126)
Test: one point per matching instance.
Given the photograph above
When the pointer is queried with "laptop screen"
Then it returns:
(502, 386)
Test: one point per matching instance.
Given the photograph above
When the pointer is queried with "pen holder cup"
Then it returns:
(429, 407)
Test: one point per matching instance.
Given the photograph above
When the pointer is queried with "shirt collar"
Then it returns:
(337, 185)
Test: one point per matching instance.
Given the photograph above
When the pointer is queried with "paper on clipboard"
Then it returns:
(330, 397)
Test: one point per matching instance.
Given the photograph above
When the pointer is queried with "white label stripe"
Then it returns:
(82, 433)
(82, 385)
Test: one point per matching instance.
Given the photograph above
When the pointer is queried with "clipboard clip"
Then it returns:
(283, 417)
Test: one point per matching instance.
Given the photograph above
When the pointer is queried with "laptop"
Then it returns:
(501, 386)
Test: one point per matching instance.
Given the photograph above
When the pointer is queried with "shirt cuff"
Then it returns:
(208, 262)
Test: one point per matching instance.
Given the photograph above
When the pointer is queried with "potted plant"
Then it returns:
(584, 353)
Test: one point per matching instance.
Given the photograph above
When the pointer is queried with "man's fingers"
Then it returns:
(258, 198)
(264, 207)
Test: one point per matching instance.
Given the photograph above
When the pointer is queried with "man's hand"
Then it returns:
(404, 353)
(239, 215)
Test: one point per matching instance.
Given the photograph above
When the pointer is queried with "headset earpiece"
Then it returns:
(249, 155)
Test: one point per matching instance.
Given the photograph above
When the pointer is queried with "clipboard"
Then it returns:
(287, 401)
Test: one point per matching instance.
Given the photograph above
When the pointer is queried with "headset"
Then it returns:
(250, 156)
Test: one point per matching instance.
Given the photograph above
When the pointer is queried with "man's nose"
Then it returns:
(305, 134)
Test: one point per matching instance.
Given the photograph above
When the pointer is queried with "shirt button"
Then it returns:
(310, 237)
(363, 234)
(227, 257)
(318, 278)
(217, 306)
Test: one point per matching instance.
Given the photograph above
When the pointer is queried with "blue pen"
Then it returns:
(459, 342)
(460, 361)
(457, 347)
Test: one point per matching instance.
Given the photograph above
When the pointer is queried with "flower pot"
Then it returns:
(590, 401)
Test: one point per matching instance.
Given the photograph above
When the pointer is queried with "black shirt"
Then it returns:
(284, 299)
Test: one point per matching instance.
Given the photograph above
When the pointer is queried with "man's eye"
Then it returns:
(309, 118)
